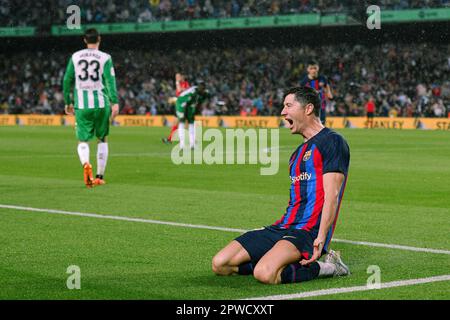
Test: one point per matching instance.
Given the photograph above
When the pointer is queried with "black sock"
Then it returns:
(246, 269)
(295, 272)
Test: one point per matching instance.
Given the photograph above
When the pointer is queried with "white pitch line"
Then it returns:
(110, 217)
(325, 292)
(197, 226)
(392, 246)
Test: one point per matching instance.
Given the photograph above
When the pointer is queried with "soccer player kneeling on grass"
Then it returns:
(94, 102)
(289, 250)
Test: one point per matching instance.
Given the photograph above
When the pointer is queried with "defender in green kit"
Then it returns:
(185, 109)
(90, 93)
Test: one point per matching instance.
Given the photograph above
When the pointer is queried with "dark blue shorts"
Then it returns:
(259, 242)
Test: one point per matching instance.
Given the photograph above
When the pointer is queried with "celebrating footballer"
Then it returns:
(289, 250)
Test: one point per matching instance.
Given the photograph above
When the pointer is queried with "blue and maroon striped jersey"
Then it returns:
(319, 84)
(326, 152)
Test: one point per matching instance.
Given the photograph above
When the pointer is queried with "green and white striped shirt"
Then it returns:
(90, 73)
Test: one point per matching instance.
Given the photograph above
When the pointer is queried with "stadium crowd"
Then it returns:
(403, 80)
(47, 12)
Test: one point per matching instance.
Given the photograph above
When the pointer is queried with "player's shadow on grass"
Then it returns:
(232, 282)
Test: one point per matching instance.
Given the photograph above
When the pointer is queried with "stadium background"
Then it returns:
(405, 66)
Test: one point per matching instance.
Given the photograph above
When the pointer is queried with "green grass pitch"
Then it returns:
(398, 192)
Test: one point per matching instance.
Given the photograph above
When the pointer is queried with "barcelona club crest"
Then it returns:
(307, 155)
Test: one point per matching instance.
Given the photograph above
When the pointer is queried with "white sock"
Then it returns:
(83, 152)
(192, 135)
(102, 157)
(181, 134)
(326, 269)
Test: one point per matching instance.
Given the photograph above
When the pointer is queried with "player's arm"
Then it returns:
(69, 79)
(332, 183)
(328, 91)
(178, 82)
(109, 77)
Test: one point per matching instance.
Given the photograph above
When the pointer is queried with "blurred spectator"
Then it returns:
(438, 108)
(370, 107)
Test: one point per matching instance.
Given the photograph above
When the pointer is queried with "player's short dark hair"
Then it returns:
(312, 63)
(305, 95)
(91, 35)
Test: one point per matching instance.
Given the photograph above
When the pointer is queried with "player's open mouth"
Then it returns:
(289, 123)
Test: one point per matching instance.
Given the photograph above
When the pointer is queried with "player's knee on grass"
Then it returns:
(219, 263)
(223, 265)
(265, 273)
